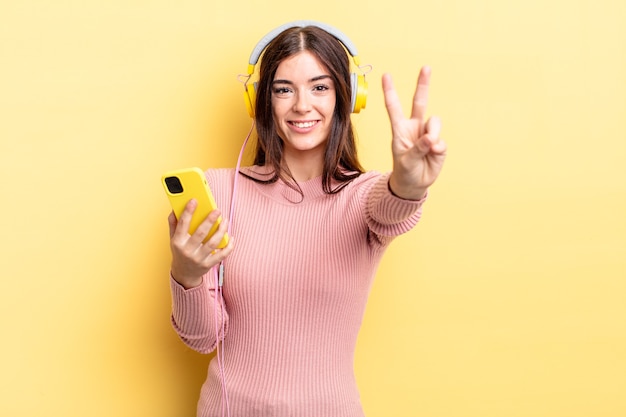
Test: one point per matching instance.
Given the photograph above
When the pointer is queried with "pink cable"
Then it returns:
(218, 277)
(232, 201)
(219, 353)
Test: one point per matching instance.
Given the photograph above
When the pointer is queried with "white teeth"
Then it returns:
(303, 125)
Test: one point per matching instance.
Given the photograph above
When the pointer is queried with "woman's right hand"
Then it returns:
(192, 259)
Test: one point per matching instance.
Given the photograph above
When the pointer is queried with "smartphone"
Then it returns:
(184, 184)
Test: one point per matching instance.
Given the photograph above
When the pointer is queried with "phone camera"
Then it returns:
(174, 185)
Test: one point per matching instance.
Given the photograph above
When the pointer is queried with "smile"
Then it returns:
(303, 125)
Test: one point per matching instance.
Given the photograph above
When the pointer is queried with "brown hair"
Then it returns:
(340, 158)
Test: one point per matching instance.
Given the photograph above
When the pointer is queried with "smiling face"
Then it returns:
(303, 103)
(314, 68)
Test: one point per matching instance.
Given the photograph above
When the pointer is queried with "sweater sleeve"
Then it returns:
(386, 214)
(198, 314)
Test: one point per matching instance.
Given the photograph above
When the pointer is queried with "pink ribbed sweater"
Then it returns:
(295, 291)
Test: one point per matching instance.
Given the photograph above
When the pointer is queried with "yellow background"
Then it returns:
(509, 299)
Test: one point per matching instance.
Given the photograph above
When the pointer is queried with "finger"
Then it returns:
(433, 128)
(218, 255)
(420, 98)
(392, 101)
(430, 136)
(215, 240)
(182, 227)
(204, 228)
(172, 222)
(423, 145)
(433, 133)
(439, 147)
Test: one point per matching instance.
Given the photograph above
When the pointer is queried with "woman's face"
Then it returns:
(303, 103)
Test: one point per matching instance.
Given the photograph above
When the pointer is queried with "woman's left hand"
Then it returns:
(418, 152)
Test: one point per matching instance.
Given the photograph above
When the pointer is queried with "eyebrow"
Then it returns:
(312, 80)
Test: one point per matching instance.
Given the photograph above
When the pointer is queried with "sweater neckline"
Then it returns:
(281, 191)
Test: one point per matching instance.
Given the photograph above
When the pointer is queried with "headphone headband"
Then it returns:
(358, 85)
(265, 40)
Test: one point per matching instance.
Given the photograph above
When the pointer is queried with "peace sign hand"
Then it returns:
(418, 152)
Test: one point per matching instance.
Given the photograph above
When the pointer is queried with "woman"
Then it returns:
(308, 232)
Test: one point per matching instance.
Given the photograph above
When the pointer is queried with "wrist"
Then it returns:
(186, 282)
(405, 191)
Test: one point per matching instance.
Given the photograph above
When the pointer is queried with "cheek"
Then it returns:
(330, 108)
(277, 126)
(280, 107)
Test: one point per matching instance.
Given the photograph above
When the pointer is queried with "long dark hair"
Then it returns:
(341, 163)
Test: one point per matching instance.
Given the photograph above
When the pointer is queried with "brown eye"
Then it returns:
(281, 91)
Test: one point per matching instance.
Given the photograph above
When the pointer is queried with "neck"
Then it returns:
(304, 167)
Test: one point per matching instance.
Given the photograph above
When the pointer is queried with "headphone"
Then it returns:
(357, 81)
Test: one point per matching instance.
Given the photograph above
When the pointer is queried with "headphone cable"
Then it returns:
(219, 282)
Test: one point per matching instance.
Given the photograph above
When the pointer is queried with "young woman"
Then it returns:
(308, 231)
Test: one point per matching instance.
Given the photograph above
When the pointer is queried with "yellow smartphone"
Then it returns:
(184, 184)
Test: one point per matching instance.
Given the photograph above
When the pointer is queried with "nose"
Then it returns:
(302, 102)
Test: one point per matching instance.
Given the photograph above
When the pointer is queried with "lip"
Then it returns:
(303, 125)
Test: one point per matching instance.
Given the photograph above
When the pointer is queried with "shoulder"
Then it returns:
(368, 177)
(217, 175)
(220, 180)
(366, 181)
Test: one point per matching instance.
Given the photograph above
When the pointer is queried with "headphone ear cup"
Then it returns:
(359, 92)
(250, 98)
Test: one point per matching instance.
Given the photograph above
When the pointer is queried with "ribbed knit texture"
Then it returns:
(295, 290)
